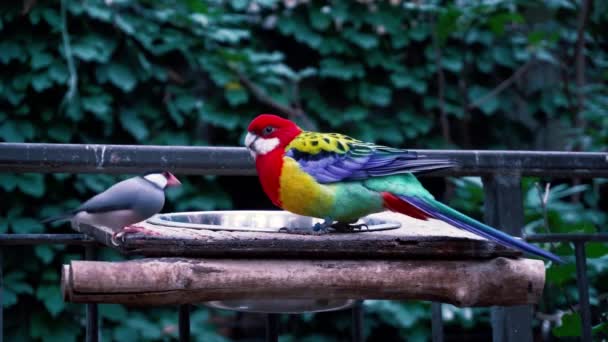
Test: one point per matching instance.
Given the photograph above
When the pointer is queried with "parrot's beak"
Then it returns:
(172, 180)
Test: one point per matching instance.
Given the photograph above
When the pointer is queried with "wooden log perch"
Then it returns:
(169, 281)
(414, 239)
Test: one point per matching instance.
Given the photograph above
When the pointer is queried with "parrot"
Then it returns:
(340, 179)
(123, 204)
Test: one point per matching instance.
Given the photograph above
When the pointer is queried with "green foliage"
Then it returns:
(167, 73)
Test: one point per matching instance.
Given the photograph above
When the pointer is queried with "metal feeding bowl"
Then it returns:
(271, 222)
(292, 306)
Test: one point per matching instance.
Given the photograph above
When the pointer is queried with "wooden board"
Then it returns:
(169, 281)
(415, 239)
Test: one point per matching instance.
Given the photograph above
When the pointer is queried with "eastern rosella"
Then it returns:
(337, 178)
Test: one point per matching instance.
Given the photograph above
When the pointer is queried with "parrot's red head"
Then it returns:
(268, 132)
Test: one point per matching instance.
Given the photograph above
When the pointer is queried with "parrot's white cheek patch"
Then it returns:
(263, 146)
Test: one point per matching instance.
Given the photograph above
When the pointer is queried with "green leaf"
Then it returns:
(447, 23)
(498, 22)
(50, 295)
(41, 60)
(319, 20)
(93, 47)
(25, 225)
(10, 133)
(374, 94)
(560, 274)
(119, 74)
(41, 81)
(45, 253)
(31, 184)
(100, 105)
(113, 312)
(364, 40)
(331, 67)
(570, 327)
(9, 298)
(10, 50)
(236, 96)
(134, 125)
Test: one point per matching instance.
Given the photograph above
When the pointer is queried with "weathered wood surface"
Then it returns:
(415, 239)
(168, 281)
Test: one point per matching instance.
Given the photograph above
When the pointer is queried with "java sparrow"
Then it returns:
(124, 204)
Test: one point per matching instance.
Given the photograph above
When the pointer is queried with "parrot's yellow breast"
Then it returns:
(300, 193)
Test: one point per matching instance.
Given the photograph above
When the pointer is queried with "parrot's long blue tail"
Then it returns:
(440, 211)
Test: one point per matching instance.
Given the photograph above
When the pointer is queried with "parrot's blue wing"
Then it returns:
(334, 157)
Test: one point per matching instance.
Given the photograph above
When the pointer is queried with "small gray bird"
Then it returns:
(124, 204)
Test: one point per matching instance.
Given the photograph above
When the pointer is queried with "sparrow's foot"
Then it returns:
(132, 229)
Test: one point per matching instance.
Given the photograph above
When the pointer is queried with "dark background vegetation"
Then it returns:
(417, 74)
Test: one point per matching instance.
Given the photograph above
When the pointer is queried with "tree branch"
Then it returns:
(579, 59)
(265, 99)
(503, 85)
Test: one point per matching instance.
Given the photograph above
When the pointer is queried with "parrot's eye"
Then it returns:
(267, 130)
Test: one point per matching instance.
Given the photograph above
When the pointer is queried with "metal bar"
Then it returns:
(1, 295)
(573, 237)
(45, 239)
(92, 328)
(583, 289)
(86, 158)
(504, 210)
(436, 322)
(272, 327)
(184, 323)
(357, 325)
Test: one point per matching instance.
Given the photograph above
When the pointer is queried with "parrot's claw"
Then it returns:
(347, 227)
(318, 228)
(120, 235)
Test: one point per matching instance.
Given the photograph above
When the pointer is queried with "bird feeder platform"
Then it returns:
(398, 258)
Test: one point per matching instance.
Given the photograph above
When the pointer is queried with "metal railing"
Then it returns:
(501, 172)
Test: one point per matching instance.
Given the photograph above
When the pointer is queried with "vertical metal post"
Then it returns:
(436, 322)
(357, 324)
(583, 289)
(272, 327)
(92, 329)
(184, 323)
(504, 210)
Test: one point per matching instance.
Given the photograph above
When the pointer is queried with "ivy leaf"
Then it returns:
(31, 184)
(25, 225)
(45, 253)
(10, 50)
(134, 125)
(41, 60)
(236, 96)
(50, 295)
(331, 67)
(570, 327)
(119, 74)
(100, 105)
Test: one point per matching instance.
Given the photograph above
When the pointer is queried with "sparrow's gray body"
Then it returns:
(123, 204)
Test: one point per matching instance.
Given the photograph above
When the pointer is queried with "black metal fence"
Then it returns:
(501, 172)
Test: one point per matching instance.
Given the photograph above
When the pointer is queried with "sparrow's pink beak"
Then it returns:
(172, 180)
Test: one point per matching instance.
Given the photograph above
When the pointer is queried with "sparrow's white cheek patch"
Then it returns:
(263, 146)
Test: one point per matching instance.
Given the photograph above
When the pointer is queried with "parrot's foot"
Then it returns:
(318, 228)
(130, 230)
(343, 227)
